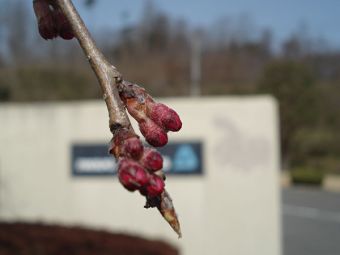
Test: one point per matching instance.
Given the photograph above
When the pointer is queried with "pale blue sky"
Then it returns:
(322, 17)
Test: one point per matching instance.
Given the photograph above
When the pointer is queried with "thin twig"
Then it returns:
(107, 74)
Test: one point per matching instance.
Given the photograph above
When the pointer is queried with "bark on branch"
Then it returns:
(107, 74)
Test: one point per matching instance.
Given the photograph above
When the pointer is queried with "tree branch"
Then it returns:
(107, 74)
(109, 79)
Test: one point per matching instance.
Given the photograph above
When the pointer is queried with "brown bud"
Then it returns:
(45, 18)
(63, 26)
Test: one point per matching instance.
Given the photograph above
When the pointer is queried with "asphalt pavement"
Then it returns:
(311, 222)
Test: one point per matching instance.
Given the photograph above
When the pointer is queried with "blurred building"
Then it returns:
(223, 169)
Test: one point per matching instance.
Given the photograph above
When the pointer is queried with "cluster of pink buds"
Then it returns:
(154, 119)
(139, 168)
(51, 21)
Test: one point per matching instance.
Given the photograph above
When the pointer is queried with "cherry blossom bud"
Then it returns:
(131, 175)
(165, 117)
(153, 134)
(151, 160)
(155, 187)
(132, 147)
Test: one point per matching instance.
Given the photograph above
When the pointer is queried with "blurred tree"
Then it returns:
(17, 21)
(90, 3)
(155, 52)
(293, 85)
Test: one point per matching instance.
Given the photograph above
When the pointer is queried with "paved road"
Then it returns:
(311, 222)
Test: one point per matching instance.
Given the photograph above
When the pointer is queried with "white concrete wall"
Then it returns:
(232, 209)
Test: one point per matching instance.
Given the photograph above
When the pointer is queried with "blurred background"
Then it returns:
(289, 49)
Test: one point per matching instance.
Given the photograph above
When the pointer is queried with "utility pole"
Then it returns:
(195, 64)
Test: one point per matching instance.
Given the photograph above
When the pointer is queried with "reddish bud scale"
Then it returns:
(129, 90)
(165, 117)
(131, 175)
(136, 109)
(152, 160)
(118, 140)
(154, 135)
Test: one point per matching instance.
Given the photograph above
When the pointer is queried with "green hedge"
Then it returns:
(307, 176)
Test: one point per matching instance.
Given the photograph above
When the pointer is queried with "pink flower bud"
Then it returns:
(152, 160)
(46, 22)
(155, 187)
(132, 147)
(132, 175)
(153, 134)
(165, 117)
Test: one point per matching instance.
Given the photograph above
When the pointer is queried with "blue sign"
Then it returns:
(92, 159)
(184, 158)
